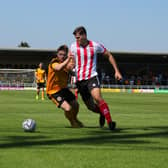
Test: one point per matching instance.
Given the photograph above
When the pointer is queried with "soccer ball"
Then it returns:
(29, 125)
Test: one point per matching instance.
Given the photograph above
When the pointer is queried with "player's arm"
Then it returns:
(62, 65)
(36, 75)
(111, 59)
(45, 76)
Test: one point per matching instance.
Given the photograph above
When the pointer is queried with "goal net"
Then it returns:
(17, 79)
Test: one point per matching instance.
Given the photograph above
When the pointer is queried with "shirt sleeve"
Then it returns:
(54, 64)
(100, 48)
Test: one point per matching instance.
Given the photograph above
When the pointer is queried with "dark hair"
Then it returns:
(41, 64)
(80, 30)
(63, 48)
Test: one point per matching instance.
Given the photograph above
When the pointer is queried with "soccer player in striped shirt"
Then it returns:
(85, 52)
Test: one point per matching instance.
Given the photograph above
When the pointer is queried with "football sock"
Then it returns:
(37, 97)
(105, 111)
(42, 95)
(76, 95)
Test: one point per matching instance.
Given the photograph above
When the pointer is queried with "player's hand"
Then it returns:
(71, 56)
(71, 62)
(118, 75)
(71, 59)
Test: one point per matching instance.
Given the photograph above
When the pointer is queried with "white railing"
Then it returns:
(134, 86)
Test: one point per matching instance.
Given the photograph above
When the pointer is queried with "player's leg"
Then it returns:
(89, 102)
(70, 98)
(86, 97)
(75, 111)
(66, 100)
(103, 107)
(91, 105)
(59, 100)
(69, 113)
(42, 94)
(94, 88)
(76, 93)
(37, 91)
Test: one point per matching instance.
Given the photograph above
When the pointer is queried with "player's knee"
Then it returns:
(67, 108)
(98, 100)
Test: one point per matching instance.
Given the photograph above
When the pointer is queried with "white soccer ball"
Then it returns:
(29, 125)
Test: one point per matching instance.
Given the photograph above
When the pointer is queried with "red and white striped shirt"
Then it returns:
(86, 58)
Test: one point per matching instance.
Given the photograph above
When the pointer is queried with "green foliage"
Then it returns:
(24, 44)
(140, 139)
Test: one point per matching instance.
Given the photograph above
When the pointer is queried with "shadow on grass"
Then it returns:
(96, 138)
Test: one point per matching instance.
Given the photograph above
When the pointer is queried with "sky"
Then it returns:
(120, 25)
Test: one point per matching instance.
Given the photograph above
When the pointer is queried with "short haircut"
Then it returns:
(41, 63)
(80, 30)
(63, 48)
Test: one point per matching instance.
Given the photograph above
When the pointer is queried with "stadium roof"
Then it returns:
(140, 52)
(51, 50)
(27, 49)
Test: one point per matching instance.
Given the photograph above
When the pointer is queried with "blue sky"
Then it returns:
(120, 25)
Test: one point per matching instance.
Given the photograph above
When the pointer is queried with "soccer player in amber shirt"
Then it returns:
(57, 89)
(85, 52)
(40, 75)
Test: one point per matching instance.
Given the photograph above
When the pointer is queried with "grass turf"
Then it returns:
(140, 139)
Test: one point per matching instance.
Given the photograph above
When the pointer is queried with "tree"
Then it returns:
(24, 44)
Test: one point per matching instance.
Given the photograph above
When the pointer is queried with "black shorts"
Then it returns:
(40, 85)
(59, 97)
(85, 87)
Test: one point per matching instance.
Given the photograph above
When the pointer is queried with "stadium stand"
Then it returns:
(139, 69)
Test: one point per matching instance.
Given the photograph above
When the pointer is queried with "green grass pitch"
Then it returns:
(140, 140)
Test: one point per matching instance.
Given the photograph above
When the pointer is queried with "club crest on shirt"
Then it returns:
(59, 98)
